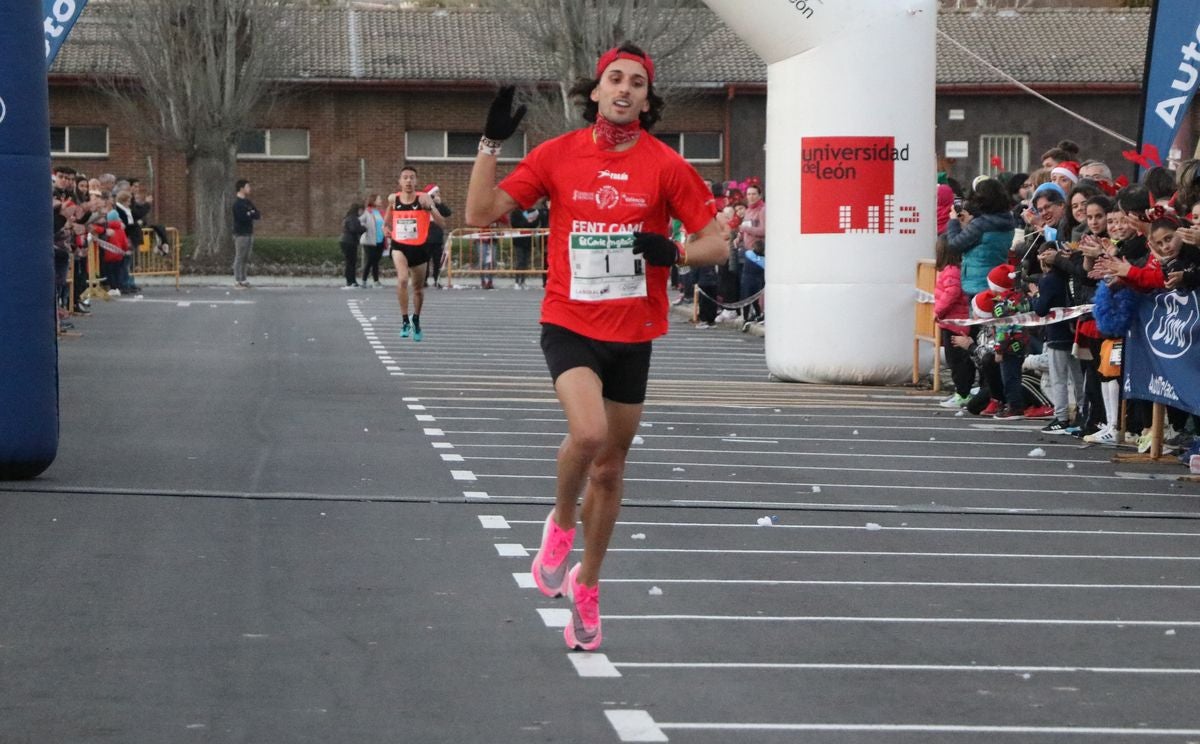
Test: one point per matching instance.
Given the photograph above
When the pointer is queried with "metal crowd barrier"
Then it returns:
(488, 252)
(151, 258)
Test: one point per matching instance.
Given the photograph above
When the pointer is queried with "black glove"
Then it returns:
(502, 121)
(658, 250)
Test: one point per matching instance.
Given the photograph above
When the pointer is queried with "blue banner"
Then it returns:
(1162, 351)
(60, 16)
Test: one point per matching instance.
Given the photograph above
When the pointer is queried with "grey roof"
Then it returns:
(1069, 45)
(1050, 46)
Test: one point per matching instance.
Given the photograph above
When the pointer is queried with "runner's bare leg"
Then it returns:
(593, 454)
(401, 279)
(418, 286)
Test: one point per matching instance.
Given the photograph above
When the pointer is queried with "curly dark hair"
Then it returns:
(582, 91)
(990, 197)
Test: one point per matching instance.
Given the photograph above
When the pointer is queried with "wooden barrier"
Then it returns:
(925, 326)
(463, 243)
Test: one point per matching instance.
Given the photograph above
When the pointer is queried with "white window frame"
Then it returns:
(267, 139)
(67, 141)
(505, 157)
(1006, 145)
(683, 146)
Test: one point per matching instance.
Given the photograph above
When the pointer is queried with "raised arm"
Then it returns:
(486, 202)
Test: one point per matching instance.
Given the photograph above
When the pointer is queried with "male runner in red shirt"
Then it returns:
(408, 217)
(614, 189)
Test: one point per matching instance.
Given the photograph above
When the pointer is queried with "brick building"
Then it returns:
(371, 89)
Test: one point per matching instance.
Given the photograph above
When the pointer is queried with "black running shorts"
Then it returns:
(414, 254)
(622, 368)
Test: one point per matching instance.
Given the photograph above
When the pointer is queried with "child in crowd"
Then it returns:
(949, 301)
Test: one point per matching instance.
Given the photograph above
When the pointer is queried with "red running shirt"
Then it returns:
(594, 191)
(410, 222)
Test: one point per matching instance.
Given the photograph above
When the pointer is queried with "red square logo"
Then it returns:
(847, 184)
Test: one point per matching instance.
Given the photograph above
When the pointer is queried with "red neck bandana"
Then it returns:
(608, 135)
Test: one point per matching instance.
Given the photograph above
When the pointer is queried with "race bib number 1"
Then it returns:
(603, 267)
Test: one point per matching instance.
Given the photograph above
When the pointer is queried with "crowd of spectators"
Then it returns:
(108, 212)
(1067, 235)
(732, 291)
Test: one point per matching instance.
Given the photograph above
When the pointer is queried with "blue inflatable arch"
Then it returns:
(28, 346)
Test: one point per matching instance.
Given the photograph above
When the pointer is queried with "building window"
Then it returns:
(436, 144)
(274, 144)
(79, 141)
(1012, 149)
(702, 147)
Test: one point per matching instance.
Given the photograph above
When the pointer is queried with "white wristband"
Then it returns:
(490, 146)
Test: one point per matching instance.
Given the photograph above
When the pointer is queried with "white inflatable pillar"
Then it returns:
(850, 179)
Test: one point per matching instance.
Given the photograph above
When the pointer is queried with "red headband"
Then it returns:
(612, 55)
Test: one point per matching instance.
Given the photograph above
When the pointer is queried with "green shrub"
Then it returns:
(297, 251)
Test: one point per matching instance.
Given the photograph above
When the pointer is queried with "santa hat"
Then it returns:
(983, 305)
(1000, 279)
(1068, 168)
(431, 189)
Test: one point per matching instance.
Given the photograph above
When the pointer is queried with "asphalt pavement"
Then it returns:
(272, 519)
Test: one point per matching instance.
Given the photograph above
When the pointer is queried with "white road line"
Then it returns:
(410, 400)
(856, 440)
(1021, 475)
(398, 374)
(393, 369)
(443, 445)
(944, 508)
(524, 580)
(900, 667)
(913, 620)
(783, 453)
(753, 441)
(912, 554)
(462, 475)
(452, 458)
(511, 550)
(593, 665)
(476, 495)
(493, 522)
(634, 726)
(178, 303)
(555, 617)
(887, 528)
(425, 417)
(920, 728)
(975, 488)
(434, 433)
(926, 584)
(416, 407)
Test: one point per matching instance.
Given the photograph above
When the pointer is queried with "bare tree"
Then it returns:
(573, 33)
(198, 73)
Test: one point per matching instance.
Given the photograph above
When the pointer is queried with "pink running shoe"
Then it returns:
(583, 632)
(550, 564)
